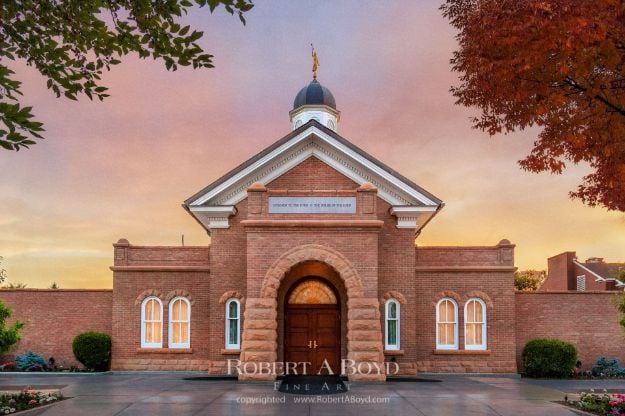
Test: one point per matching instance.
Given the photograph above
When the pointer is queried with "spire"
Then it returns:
(315, 60)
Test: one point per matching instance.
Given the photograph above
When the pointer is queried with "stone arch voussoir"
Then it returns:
(147, 293)
(312, 252)
(393, 294)
(480, 295)
(447, 294)
(229, 295)
(182, 293)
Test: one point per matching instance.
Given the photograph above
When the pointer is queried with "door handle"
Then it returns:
(310, 344)
(315, 344)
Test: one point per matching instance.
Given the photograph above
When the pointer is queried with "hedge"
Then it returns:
(93, 350)
(549, 358)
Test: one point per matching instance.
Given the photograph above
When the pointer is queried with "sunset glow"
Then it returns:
(121, 168)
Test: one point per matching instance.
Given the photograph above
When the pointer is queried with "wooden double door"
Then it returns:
(313, 336)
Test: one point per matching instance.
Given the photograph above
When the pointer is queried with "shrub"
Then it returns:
(9, 335)
(30, 362)
(93, 350)
(548, 358)
(607, 367)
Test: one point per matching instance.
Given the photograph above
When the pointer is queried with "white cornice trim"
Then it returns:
(213, 217)
(314, 142)
(413, 217)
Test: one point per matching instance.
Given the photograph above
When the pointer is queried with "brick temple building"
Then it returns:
(314, 258)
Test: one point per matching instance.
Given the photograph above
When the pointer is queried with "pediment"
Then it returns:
(310, 140)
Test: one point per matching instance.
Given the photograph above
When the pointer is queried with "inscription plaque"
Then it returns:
(312, 205)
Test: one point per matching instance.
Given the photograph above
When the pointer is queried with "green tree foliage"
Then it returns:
(9, 335)
(549, 358)
(529, 279)
(621, 308)
(3, 272)
(93, 350)
(11, 285)
(71, 42)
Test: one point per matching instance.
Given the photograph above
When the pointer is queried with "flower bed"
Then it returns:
(602, 404)
(26, 399)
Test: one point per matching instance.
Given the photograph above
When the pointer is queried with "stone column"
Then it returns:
(364, 339)
(260, 339)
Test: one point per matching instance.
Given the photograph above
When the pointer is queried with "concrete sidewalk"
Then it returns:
(171, 394)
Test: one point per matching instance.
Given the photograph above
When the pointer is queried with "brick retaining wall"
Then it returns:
(53, 317)
(589, 320)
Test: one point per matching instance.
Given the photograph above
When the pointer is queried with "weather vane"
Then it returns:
(315, 61)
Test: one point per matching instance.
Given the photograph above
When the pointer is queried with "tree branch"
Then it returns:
(614, 107)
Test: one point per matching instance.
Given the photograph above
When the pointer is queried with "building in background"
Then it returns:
(566, 272)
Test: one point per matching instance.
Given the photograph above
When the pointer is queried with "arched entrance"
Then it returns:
(361, 327)
(312, 327)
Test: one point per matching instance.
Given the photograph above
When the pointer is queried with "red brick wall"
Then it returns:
(396, 254)
(54, 317)
(164, 272)
(462, 273)
(312, 174)
(228, 267)
(589, 320)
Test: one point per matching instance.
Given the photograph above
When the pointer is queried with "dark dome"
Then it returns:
(314, 93)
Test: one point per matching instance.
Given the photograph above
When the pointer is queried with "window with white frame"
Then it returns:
(475, 324)
(179, 323)
(391, 316)
(233, 324)
(151, 323)
(446, 324)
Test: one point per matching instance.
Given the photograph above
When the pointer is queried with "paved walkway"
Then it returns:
(171, 394)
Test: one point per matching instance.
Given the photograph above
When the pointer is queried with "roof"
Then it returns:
(413, 206)
(276, 145)
(602, 271)
(314, 94)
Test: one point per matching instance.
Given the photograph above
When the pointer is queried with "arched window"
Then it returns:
(475, 324)
(151, 323)
(391, 319)
(233, 324)
(179, 323)
(447, 324)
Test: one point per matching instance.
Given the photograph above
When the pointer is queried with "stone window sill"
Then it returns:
(230, 352)
(461, 352)
(165, 350)
(393, 352)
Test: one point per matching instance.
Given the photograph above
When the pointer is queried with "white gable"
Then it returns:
(213, 206)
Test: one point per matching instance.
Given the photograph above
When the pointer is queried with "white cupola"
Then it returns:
(315, 102)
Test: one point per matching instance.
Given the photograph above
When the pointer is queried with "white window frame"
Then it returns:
(237, 345)
(453, 346)
(145, 344)
(170, 328)
(481, 346)
(387, 346)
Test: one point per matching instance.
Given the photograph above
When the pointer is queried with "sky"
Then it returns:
(121, 168)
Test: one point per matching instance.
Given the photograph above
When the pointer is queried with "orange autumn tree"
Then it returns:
(557, 65)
